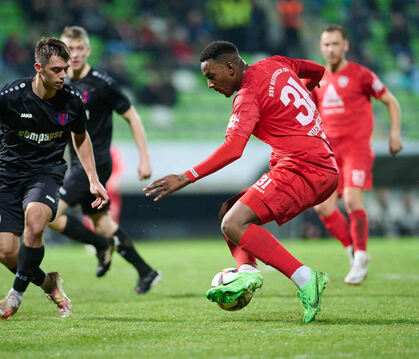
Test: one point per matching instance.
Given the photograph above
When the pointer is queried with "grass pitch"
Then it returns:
(379, 319)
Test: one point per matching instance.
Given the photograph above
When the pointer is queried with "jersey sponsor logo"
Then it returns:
(50, 198)
(331, 98)
(377, 85)
(62, 119)
(358, 177)
(40, 137)
(233, 120)
(25, 115)
(343, 81)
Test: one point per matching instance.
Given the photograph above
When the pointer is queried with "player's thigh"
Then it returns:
(37, 217)
(9, 247)
(11, 211)
(283, 193)
(103, 223)
(226, 206)
(357, 168)
(327, 207)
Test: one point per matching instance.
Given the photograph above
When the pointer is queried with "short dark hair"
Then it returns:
(75, 32)
(49, 46)
(219, 48)
(335, 27)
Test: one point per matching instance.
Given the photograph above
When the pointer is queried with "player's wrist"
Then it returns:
(191, 175)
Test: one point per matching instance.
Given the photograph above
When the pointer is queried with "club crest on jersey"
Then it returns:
(86, 96)
(343, 81)
(233, 120)
(62, 119)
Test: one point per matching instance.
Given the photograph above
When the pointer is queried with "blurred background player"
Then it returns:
(101, 96)
(273, 105)
(344, 102)
(37, 116)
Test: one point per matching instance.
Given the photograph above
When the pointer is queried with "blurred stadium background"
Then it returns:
(152, 48)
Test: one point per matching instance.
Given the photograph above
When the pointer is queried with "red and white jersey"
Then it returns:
(275, 106)
(344, 101)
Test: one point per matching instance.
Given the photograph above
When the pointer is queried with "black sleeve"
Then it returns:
(116, 98)
(79, 125)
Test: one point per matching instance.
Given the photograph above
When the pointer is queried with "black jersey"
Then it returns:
(35, 131)
(101, 96)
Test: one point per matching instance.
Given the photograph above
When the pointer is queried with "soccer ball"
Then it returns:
(225, 277)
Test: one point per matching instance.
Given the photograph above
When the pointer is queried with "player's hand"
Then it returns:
(395, 144)
(144, 170)
(166, 185)
(100, 193)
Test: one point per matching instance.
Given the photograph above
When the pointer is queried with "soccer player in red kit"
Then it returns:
(344, 102)
(273, 105)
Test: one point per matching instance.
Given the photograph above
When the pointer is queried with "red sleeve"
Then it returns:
(305, 69)
(371, 84)
(228, 152)
(310, 70)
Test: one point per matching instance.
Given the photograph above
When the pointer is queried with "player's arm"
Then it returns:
(311, 71)
(83, 147)
(229, 151)
(137, 128)
(393, 108)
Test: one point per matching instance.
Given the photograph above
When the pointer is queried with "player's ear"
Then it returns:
(346, 45)
(37, 67)
(89, 51)
(230, 68)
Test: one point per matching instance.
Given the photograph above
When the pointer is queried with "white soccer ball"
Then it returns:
(225, 277)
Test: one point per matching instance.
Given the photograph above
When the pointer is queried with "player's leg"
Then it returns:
(107, 227)
(335, 222)
(354, 202)
(242, 258)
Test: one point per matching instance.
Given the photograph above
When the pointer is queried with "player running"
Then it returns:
(101, 96)
(273, 105)
(37, 116)
(344, 102)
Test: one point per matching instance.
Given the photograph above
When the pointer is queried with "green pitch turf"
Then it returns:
(379, 319)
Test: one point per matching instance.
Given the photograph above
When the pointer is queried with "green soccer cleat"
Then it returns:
(242, 284)
(311, 294)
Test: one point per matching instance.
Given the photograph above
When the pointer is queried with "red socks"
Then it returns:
(359, 229)
(241, 256)
(338, 227)
(264, 246)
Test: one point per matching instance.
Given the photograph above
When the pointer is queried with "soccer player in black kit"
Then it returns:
(101, 96)
(37, 117)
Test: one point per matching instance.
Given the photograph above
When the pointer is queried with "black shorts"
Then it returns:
(17, 192)
(76, 187)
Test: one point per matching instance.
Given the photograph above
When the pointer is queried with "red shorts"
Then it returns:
(355, 163)
(285, 192)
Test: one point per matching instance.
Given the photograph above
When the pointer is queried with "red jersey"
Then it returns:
(344, 101)
(275, 106)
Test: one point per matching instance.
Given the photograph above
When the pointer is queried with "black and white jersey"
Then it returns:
(101, 96)
(34, 132)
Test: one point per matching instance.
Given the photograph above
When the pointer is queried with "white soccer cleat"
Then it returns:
(350, 251)
(359, 270)
(54, 291)
(9, 305)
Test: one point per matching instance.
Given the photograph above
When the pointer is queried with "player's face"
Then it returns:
(79, 52)
(53, 73)
(333, 46)
(219, 77)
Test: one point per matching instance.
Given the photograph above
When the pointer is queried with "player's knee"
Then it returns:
(8, 255)
(352, 204)
(34, 228)
(230, 228)
(223, 210)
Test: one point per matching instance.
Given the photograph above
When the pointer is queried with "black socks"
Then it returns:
(126, 249)
(76, 230)
(29, 260)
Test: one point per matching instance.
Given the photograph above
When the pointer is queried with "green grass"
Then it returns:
(376, 320)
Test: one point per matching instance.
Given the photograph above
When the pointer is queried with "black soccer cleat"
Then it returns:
(150, 280)
(104, 257)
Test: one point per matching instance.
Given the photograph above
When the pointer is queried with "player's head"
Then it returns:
(334, 44)
(77, 40)
(51, 62)
(223, 67)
